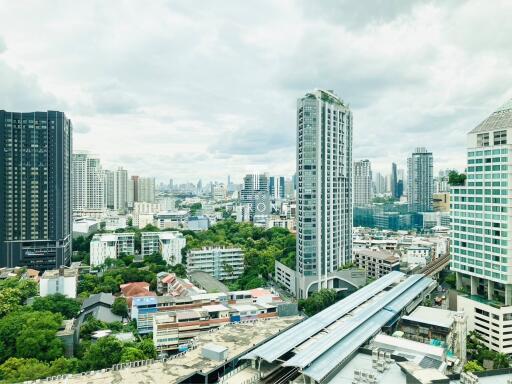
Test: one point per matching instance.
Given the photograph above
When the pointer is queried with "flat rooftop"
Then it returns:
(432, 316)
(237, 338)
(207, 282)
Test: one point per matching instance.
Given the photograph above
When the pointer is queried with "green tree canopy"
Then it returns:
(17, 370)
(104, 353)
(58, 303)
(318, 301)
(120, 307)
(473, 366)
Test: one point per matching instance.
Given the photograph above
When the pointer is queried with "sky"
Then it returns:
(195, 89)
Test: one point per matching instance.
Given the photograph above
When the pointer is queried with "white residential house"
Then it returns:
(62, 280)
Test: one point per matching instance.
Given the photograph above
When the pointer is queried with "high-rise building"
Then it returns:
(108, 179)
(276, 186)
(324, 190)
(362, 183)
(88, 184)
(481, 234)
(420, 183)
(35, 189)
(255, 188)
(146, 189)
(380, 183)
(394, 181)
(120, 189)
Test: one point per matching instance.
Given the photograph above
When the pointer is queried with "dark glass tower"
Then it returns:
(35, 186)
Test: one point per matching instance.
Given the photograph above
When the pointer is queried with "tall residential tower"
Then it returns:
(35, 189)
(362, 183)
(420, 181)
(324, 190)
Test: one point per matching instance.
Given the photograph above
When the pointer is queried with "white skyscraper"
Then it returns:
(146, 189)
(120, 189)
(420, 184)
(324, 190)
(362, 183)
(88, 185)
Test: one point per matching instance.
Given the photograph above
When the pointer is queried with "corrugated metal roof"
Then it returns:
(335, 355)
(288, 340)
(325, 342)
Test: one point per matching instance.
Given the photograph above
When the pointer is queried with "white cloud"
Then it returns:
(188, 90)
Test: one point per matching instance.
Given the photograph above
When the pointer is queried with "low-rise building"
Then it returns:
(62, 280)
(84, 226)
(98, 306)
(174, 328)
(285, 276)
(198, 223)
(171, 219)
(279, 222)
(221, 262)
(168, 244)
(377, 263)
(110, 246)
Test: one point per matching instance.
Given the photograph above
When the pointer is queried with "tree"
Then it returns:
(148, 348)
(318, 301)
(132, 354)
(39, 343)
(10, 300)
(473, 366)
(102, 354)
(456, 179)
(28, 288)
(91, 325)
(501, 360)
(62, 366)
(57, 303)
(120, 307)
(18, 370)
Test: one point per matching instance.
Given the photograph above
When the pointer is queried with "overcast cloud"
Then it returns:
(195, 89)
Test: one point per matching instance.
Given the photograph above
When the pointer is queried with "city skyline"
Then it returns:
(237, 118)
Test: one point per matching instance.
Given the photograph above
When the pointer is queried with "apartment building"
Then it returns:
(377, 263)
(169, 244)
(221, 262)
(110, 246)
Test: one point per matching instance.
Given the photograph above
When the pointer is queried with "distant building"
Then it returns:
(146, 189)
(120, 189)
(276, 186)
(254, 192)
(198, 223)
(171, 219)
(362, 183)
(110, 246)
(143, 213)
(88, 183)
(35, 189)
(62, 280)
(168, 244)
(377, 263)
(84, 226)
(420, 185)
(221, 263)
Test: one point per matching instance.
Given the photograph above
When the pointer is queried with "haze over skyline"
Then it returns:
(170, 89)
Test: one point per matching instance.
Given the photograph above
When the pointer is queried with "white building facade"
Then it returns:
(88, 185)
(221, 263)
(324, 190)
(168, 243)
(110, 246)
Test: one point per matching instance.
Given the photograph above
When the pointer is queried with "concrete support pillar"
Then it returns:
(474, 285)
(490, 289)
(458, 280)
(508, 294)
